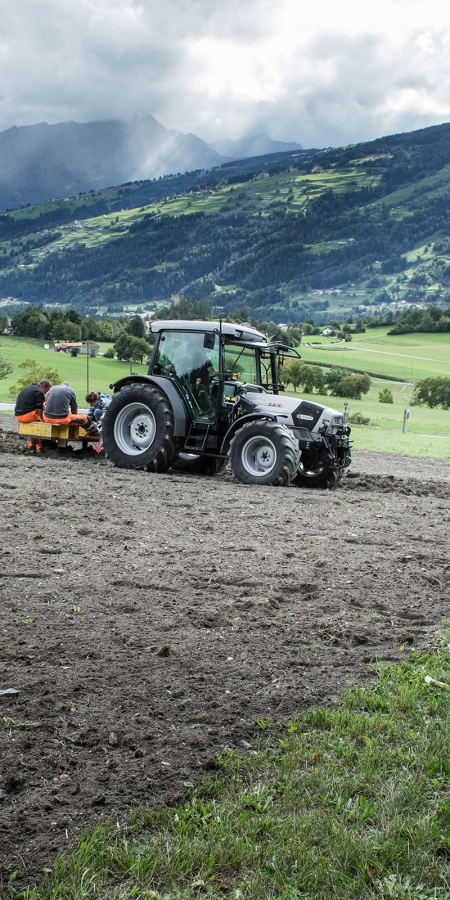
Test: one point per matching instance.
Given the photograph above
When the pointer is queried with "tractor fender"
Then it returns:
(180, 415)
(251, 417)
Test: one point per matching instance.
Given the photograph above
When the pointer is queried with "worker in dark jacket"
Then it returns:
(61, 408)
(30, 407)
(31, 400)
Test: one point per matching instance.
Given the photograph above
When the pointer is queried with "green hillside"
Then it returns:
(289, 236)
(407, 357)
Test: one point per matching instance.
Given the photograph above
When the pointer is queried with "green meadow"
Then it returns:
(102, 372)
(395, 362)
(409, 357)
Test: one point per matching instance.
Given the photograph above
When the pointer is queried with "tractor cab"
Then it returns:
(213, 363)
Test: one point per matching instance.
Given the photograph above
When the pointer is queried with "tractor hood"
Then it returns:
(301, 413)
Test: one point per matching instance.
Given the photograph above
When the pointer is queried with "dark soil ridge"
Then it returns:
(149, 620)
(11, 442)
(389, 484)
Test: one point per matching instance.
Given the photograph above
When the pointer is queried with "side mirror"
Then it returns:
(209, 340)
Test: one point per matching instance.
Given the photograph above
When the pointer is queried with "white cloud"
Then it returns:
(321, 73)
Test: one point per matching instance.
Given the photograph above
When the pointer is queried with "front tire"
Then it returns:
(138, 429)
(264, 452)
(194, 464)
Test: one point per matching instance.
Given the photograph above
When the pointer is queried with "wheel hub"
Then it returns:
(135, 429)
(141, 431)
(259, 456)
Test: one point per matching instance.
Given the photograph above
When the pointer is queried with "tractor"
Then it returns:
(213, 396)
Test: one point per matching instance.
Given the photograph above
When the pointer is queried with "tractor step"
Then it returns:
(196, 439)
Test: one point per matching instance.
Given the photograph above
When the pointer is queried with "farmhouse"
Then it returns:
(76, 347)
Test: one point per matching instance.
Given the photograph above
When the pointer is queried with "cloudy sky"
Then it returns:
(323, 72)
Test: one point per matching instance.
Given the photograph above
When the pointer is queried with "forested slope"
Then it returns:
(369, 222)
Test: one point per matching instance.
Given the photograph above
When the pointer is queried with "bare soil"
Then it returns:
(147, 621)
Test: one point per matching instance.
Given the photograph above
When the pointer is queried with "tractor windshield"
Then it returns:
(240, 363)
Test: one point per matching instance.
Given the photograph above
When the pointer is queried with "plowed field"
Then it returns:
(148, 620)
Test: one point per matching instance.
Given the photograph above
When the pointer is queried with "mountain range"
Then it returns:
(258, 145)
(294, 235)
(40, 162)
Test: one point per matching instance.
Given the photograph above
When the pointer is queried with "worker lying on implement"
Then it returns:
(61, 408)
(30, 406)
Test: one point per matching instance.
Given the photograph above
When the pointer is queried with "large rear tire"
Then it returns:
(138, 429)
(194, 464)
(264, 452)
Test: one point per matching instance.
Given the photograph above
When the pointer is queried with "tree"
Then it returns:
(73, 316)
(333, 378)
(354, 385)
(138, 349)
(309, 378)
(33, 374)
(121, 346)
(72, 332)
(6, 367)
(129, 347)
(385, 396)
(292, 372)
(136, 327)
(432, 392)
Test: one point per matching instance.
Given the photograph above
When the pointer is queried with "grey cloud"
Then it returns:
(93, 59)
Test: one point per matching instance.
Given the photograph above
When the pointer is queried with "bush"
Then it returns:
(357, 418)
(386, 396)
(109, 353)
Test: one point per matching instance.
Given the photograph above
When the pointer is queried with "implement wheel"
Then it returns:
(264, 452)
(317, 478)
(138, 429)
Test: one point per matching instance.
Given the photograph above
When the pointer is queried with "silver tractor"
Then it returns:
(213, 396)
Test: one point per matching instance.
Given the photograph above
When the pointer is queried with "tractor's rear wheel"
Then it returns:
(194, 464)
(264, 452)
(138, 429)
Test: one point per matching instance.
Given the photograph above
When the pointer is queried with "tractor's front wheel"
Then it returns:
(138, 429)
(264, 452)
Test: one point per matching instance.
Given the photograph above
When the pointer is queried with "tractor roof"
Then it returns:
(231, 331)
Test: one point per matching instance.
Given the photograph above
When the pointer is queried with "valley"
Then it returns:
(288, 236)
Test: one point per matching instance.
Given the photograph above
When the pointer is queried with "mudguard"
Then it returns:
(251, 417)
(182, 420)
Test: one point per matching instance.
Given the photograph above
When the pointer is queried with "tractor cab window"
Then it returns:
(240, 364)
(183, 357)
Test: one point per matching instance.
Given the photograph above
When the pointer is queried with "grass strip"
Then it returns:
(345, 803)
